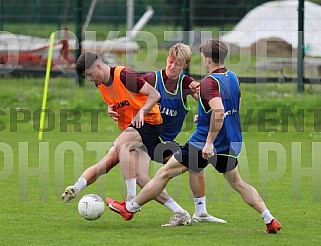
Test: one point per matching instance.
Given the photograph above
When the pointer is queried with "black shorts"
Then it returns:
(149, 134)
(191, 157)
(161, 150)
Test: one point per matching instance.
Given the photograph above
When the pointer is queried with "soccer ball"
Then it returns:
(91, 207)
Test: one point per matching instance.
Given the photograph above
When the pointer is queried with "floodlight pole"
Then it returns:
(130, 24)
(186, 25)
(79, 36)
(1, 24)
(300, 70)
(130, 14)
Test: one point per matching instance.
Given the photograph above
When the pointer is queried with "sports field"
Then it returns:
(281, 158)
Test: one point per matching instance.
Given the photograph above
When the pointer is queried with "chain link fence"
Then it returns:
(38, 19)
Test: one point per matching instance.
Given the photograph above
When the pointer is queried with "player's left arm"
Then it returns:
(195, 96)
(193, 87)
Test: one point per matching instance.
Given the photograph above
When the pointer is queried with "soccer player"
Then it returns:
(217, 139)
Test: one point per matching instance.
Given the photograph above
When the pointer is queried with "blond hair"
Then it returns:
(181, 53)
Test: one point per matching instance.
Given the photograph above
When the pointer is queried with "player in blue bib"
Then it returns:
(228, 141)
(174, 87)
(172, 106)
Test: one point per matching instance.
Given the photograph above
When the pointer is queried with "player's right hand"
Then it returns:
(113, 114)
(138, 120)
(208, 151)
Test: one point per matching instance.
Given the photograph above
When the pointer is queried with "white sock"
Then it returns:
(131, 189)
(174, 206)
(132, 206)
(200, 206)
(267, 216)
(80, 184)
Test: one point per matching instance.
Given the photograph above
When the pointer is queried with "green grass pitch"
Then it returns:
(281, 159)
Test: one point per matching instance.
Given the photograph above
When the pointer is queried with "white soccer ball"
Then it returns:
(91, 207)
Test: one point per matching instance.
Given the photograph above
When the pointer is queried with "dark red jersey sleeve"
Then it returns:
(208, 89)
(150, 78)
(131, 80)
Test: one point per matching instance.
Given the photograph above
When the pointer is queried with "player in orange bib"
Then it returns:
(127, 101)
(134, 100)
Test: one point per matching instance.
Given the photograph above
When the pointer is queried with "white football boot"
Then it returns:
(69, 194)
(207, 218)
(179, 219)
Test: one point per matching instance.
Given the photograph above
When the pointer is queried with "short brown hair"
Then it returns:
(86, 60)
(180, 52)
(214, 49)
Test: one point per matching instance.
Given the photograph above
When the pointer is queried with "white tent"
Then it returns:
(279, 19)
